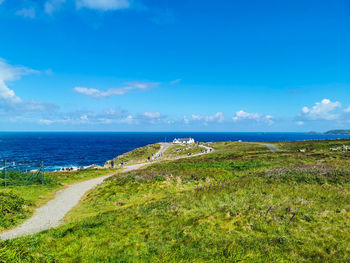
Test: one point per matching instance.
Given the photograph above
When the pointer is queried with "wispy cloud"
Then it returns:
(51, 6)
(26, 12)
(151, 115)
(11, 73)
(104, 5)
(45, 122)
(12, 105)
(99, 94)
(86, 117)
(324, 110)
(243, 115)
(175, 81)
(218, 117)
(129, 120)
(347, 109)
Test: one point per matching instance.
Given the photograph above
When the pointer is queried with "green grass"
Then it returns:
(139, 155)
(211, 208)
(309, 146)
(175, 151)
(17, 202)
(237, 147)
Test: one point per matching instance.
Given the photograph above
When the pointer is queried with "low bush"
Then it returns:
(11, 205)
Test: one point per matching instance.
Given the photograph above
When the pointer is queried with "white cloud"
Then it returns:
(197, 117)
(84, 118)
(12, 105)
(185, 120)
(300, 123)
(242, 115)
(10, 73)
(347, 109)
(151, 115)
(218, 117)
(141, 85)
(129, 120)
(26, 12)
(45, 122)
(103, 5)
(113, 113)
(322, 110)
(98, 94)
(175, 81)
(8, 95)
(34, 105)
(53, 5)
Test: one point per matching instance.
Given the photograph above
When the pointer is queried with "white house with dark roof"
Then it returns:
(183, 141)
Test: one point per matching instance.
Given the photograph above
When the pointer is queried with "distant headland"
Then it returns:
(333, 132)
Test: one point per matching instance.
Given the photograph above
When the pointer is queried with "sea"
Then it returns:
(76, 149)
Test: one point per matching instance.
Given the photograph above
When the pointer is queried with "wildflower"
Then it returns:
(292, 217)
(219, 182)
(270, 208)
(261, 213)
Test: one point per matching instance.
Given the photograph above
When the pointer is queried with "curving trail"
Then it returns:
(52, 213)
(164, 147)
(270, 146)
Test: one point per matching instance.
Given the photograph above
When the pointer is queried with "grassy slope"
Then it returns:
(319, 146)
(138, 155)
(209, 208)
(17, 203)
(182, 150)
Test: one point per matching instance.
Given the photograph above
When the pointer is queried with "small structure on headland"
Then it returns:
(183, 141)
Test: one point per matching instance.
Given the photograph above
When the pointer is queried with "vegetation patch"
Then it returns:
(139, 155)
(235, 205)
(12, 207)
(308, 174)
(18, 201)
(175, 151)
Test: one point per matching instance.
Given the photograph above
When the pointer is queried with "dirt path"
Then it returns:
(270, 146)
(163, 148)
(52, 213)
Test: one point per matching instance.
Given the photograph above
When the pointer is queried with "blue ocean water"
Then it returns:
(62, 149)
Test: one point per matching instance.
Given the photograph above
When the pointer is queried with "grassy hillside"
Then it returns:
(312, 146)
(182, 150)
(241, 203)
(138, 155)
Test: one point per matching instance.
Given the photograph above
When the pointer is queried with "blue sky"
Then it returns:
(185, 65)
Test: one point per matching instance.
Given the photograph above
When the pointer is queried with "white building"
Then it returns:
(183, 140)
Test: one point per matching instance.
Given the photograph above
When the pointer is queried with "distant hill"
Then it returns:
(314, 132)
(338, 132)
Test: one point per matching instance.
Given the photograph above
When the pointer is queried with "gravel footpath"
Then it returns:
(51, 214)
